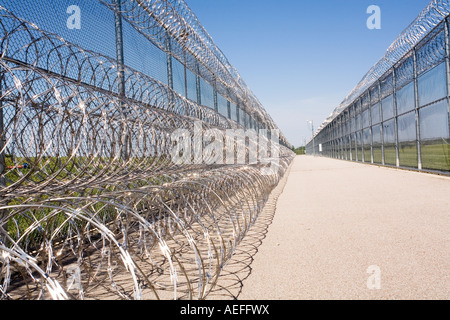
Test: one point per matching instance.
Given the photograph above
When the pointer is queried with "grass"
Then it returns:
(299, 151)
(377, 155)
(367, 155)
(390, 156)
(407, 154)
(67, 168)
(435, 155)
(38, 172)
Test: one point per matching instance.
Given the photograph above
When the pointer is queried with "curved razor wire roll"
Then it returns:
(93, 207)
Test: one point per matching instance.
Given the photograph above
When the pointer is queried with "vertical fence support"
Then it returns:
(361, 125)
(330, 140)
(2, 136)
(370, 127)
(216, 105)
(313, 138)
(197, 83)
(345, 135)
(169, 70)
(336, 138)
(416, 99)
(341, 152)
(381, 123)
(352, 133)
(341, 138)
(3, 168)
(447, 63)
(121, 74)
(246, 120)
(349, 135)
(185, 77)
(169, 62)
(394, 95)
(2, 151)
(360, 110)
(238, 114)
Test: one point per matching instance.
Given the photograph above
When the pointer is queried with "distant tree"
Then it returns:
(299, 150)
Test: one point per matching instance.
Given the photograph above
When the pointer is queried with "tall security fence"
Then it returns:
(97, 98)
(399, 114)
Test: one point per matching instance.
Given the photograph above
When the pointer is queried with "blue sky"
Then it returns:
(301, 58)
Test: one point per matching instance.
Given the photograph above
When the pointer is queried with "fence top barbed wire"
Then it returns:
(157, 22)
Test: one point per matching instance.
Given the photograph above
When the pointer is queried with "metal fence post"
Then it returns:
(121, 73)
(370, 127)
(169, 70)
(447, 63)
(169, 61)
(361, 129)
(238, 114)
(197, 83)
(381, 123)
(335, 138)
(339, 138)
(416, 98)
(394, 95)
(2, 136)
(246, 120)
(3, 213)
(185, 77)
(216, 105)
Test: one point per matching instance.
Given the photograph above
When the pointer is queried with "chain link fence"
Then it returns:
(399, 114)
(92, 203)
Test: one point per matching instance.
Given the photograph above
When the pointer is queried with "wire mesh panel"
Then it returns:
(431, 51)
(390, 156)
(222, 104)
(434, 134)
(233, 110)
(407, 140)
(404, 73)
(388, 108)
(179, 83)
(191, 82)
(97, 28)
(432, 85)
(377, 144)
(144, 56)
(207, 92)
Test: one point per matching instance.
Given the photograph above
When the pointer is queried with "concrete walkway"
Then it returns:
(341, 230)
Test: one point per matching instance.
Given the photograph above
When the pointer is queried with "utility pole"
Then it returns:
(312, 131)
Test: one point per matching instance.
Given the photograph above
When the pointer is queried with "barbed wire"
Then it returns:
(92, 205)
